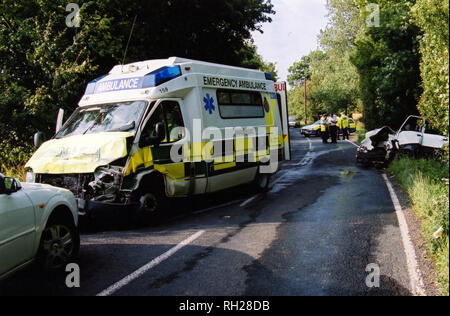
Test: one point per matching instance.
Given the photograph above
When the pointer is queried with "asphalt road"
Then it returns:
(323, 222)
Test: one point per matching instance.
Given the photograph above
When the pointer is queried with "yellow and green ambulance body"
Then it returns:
(167, 128)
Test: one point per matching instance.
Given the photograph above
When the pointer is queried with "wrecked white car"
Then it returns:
(378, 148)
(415, 136)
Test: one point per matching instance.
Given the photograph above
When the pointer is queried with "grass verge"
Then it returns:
(361, 131)
(426, 183)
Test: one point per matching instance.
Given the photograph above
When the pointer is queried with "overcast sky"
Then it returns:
(292, 33)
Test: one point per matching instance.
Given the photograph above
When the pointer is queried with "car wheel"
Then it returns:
(262, 182)
(59, 244)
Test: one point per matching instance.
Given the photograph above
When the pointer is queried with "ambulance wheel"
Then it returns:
(262, 181)
(153, 204)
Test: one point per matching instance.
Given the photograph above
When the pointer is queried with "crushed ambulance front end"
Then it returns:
(91, 166)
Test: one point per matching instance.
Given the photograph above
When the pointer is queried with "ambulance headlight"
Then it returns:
(30, 177)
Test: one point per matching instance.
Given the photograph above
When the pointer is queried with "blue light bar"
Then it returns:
(269, 76)
(90, 89)
(161, 76)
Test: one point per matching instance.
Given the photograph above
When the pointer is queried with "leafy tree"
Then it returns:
(433, 18)
(387, 58)
(45, 65)
(255, 61)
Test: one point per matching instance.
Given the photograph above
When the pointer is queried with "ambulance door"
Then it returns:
(168, 113)
(281, 89)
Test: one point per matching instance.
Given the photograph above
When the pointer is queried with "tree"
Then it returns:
(255, 61)
(387, 58)
(433, 18)
(45, 65)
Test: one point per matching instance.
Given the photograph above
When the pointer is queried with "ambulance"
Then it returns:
(160, 129)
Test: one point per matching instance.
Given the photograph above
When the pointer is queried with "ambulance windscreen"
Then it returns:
(114, 117)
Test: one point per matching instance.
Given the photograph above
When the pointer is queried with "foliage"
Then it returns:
(423, 180)
(433, 18)
(45, 65)
(387, 58)
(255, 61)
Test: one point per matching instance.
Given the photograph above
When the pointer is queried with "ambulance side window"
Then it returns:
(174, 120)
(157, 117)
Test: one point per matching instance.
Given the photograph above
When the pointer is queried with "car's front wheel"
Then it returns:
(59, 244)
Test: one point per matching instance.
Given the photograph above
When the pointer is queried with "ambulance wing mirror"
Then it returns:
(38, 139)
(59, 120)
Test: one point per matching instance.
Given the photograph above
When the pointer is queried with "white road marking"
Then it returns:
(279, 179)
(307, 159)
(138, 273)
(354, 144)
(416, 282)
(249, 200)
(310, 144)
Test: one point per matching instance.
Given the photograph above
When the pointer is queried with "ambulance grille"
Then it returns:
(76, 183)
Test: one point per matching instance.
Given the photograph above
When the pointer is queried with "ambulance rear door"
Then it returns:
(281, 89)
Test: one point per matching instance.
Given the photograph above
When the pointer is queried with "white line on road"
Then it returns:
(354, 144)
(279, 179)
(416, 282)
(249, 200)
(138, 273)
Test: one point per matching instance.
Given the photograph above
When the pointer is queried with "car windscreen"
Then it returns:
(113, 117)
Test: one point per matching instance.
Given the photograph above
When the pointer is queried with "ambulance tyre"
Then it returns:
(153, 204)
(262, 181)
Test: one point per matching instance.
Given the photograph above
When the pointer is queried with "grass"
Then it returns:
(426, 183)
(361, 131)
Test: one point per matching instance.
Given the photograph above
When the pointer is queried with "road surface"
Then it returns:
(323, 222)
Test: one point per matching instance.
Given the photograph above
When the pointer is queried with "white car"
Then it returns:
(292, 122)
(37, 223)
(416, 134)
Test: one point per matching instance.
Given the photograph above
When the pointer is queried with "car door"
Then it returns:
(433, 139)
(411, 132)
(17, 230)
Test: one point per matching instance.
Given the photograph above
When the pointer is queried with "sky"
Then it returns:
(292, 33)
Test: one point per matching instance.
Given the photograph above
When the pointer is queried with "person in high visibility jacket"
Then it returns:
(324, 131)
(344, 122)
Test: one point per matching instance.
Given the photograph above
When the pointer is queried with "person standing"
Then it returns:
(324, 128)
(345, 126)
(333, 121)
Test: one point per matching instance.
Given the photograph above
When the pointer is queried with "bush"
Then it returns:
(426, 183)
(433, 18)
(13, 159)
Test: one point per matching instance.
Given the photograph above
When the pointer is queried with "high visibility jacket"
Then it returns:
(344, 122)
(323, 125)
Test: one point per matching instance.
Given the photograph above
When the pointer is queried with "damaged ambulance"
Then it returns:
(116, 152)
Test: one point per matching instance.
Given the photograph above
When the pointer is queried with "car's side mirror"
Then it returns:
(38, 139)
(10, 185)
(157, 138)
